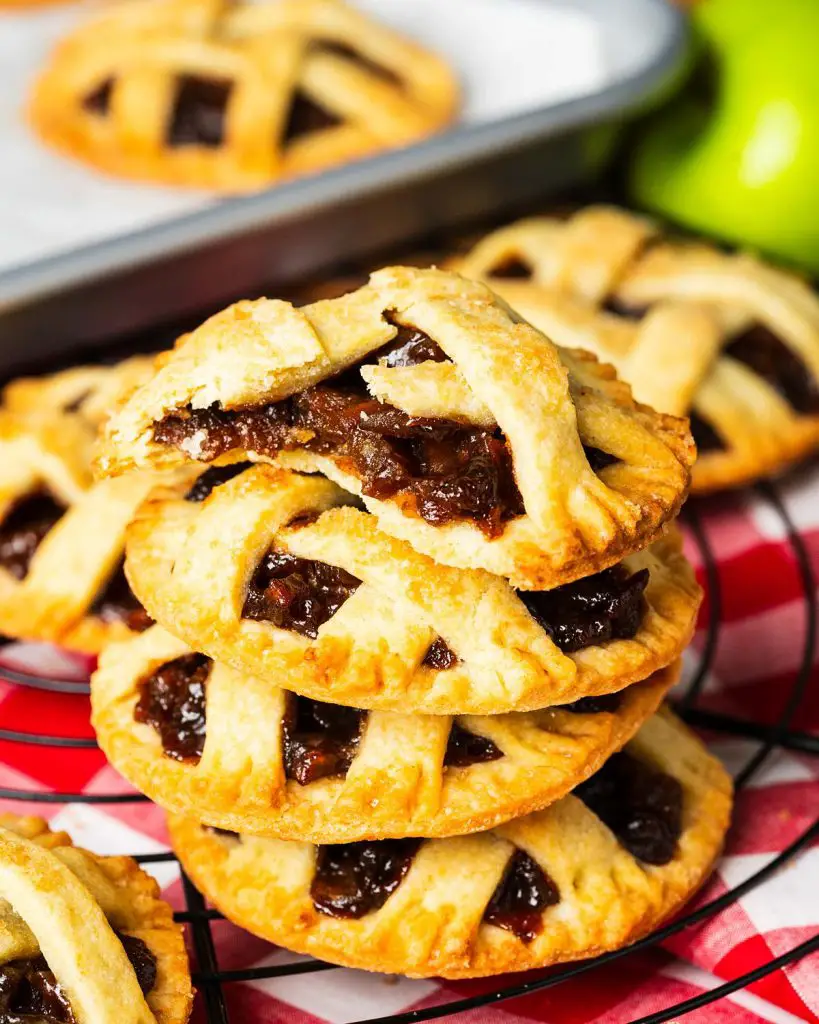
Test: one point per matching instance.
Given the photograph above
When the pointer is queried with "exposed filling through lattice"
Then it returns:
(641, 805)
(24, 528)
(200, 104)
(319, 740)
(31, 994)
(445, 469)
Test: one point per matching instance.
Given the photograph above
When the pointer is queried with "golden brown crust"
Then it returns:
(190, 565)
(270, 55)
(397, 784)
(82, 551)
(432, 923)
(88, 392)
(115, 889)
(691, 291)
(576, 521)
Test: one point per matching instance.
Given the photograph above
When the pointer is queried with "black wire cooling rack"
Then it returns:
(212, 981)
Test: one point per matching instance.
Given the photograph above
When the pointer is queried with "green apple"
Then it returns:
(745, 164)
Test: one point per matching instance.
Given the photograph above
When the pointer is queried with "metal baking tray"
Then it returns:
(250, 245)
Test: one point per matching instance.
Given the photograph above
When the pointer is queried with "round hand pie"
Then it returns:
(235, 96)
(84, 939)
(748, 370)
(238, 753)
(62, 537)
(465, 431)
(592, 872)
(251, 565)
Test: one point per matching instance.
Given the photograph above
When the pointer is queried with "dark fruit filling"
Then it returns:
(319, 740)
(705, 437)
(307, 117)
(225, 833)
(773, 360)
(641, 805)
(522, 895)
(296, 593)
(598, 459)
(31, 994)
(142, 960)
(410, 347)
(350, 53)
(172, 700)
(512, 268)
(606, 702)
(440, 656)
(212, 478)
(449, 470)
(117, 603)
(354, 879)
(606, 606)
(464, 748)
(99, 101)
(199, 112)
(23, 530)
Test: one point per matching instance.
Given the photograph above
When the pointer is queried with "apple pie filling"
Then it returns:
(31, 994)
(443, 469)
(24, 529)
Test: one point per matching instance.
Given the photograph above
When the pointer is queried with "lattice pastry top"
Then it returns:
(233, 96)
(89, 392)
(62, 537)
(466, 431)
(84, 938)
(237, 753)
(594, 871)
(256, 569)
(748, 370)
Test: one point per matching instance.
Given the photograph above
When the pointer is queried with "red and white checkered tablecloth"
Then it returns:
(760, 643)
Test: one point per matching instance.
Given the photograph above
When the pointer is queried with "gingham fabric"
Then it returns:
(760, 644)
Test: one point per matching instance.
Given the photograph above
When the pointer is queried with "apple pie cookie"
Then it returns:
(236, 96)
(465, 431)
(592, 872)
(748, 370)
(253, 566)
(62, 537)
(235, 752)
(84, 939)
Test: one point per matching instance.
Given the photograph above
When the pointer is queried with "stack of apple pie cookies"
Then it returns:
(418, 598)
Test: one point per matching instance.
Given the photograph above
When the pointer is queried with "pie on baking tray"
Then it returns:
(235, 96)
